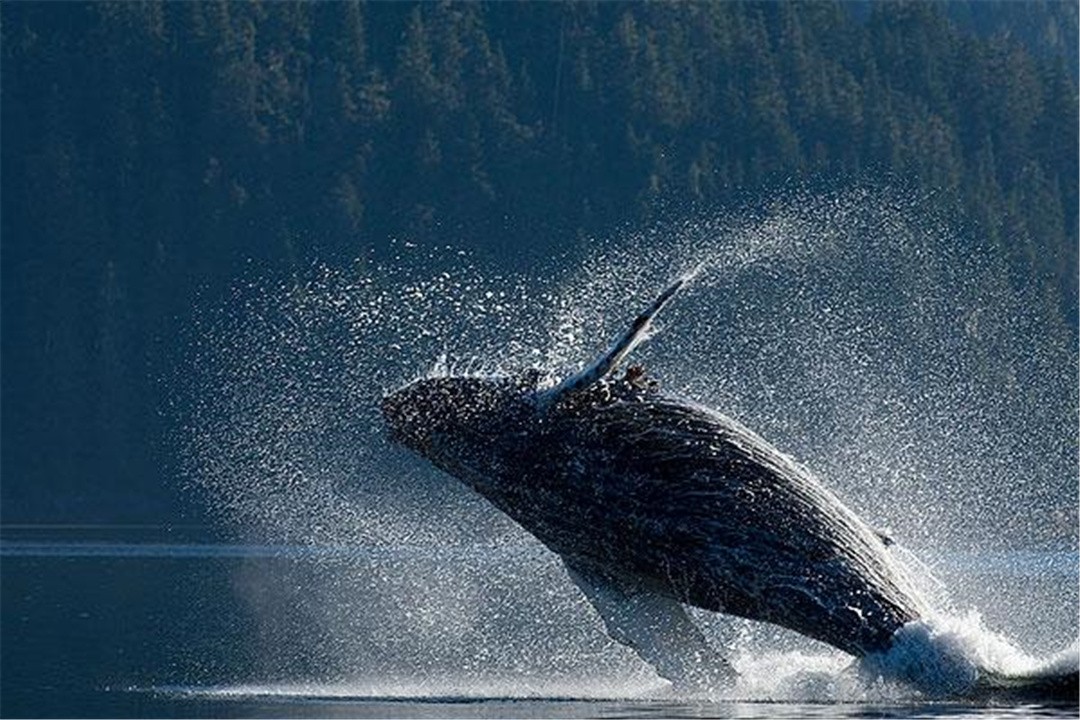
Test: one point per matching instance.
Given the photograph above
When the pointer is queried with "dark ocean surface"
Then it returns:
(146, 622)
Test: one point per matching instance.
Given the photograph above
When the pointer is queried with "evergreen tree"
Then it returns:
(152, 151)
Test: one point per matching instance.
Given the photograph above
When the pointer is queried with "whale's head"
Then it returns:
(483, 429)
(461, 424)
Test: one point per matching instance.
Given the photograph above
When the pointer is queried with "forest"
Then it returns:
(151, 153)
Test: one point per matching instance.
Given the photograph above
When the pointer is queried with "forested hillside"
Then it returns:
(152, 151)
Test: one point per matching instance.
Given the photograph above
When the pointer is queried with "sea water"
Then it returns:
(138, 622)
(853, 330)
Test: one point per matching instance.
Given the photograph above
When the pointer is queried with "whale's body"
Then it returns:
(653, 502)
(657, 494)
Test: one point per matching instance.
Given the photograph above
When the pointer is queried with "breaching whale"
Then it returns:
(654, 502)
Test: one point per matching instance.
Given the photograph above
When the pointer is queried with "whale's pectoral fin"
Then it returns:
(659, 630)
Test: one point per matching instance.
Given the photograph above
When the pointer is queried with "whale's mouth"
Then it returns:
(407, 419)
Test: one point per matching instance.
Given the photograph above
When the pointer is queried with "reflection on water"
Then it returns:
(153, 622)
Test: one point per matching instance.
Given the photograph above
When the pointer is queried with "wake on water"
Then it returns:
(849, 328)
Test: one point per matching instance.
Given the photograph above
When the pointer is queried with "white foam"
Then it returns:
(1065, 661)
(795, 676)
(945, 655)
(451, 687)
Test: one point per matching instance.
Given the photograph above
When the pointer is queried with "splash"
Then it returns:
(852, 329)
(950, 656)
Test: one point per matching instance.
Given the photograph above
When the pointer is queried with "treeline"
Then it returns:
(154, 150)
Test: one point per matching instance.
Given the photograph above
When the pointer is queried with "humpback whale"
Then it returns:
(655, 502)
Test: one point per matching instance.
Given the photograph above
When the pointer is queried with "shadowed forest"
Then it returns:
(153, 153)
